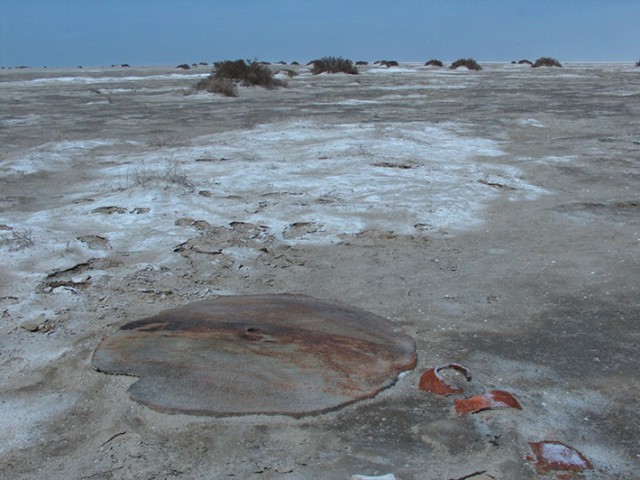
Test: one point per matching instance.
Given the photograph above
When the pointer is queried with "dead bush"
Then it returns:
(546, 62)
(288, 72)
(333, 65)
(229, 73)
(222, 86)
(17, 239)
(247, 73)
(433, 63)
(469, 63)
(387, 63)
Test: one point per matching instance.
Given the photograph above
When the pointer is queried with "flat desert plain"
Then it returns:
(494, 216)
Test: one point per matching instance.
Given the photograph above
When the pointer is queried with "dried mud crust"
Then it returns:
(539, 299)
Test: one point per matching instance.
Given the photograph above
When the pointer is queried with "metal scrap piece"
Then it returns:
(432, 381)
(552, 455)
(269, 354)
(489, 401)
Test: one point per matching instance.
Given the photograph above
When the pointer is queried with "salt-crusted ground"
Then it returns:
(494, 215)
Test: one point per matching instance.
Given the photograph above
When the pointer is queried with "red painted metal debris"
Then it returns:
(489, 401)
(432, 381)
(552, 455)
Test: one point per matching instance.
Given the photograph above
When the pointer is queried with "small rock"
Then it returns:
(109, 210)
(140, 210)
(39, 324)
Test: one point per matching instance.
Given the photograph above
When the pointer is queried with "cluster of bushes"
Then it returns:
(185, 66)
(226, 75)
(230, 73)
(333, 65)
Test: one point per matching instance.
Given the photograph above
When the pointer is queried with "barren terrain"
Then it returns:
(493, 215)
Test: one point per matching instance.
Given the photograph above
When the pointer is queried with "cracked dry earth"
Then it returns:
(493, 215)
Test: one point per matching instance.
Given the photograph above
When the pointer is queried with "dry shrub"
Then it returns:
(470, 63)
(333, 65)
(227, 74)
(223, 86)
(433, 63)
(387, 63)
(248, 73)
(16, 239)
(546, 62)
(288, 72)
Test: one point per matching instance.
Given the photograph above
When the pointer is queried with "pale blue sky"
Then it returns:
(164, 32)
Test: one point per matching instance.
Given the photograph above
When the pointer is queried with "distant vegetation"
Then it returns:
(546, 62)
(362, 62)
(522, 62)
(470, 63)
(387, 63)
(333, 65)
(226, 75)
(433, 63)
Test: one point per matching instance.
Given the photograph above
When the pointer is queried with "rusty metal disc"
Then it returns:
(257, 354)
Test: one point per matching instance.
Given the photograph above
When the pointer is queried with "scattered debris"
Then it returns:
(552, 455)
(402, 166)
(388, 476)
(109, 210)
(432, 381)
(95, 242)
(489, 401)
(481, 475)
(140, 210)
(496, 184)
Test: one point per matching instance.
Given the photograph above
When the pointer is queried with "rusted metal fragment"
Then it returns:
(552, 455)
(270, 354)
(432, 381)
(489, 401)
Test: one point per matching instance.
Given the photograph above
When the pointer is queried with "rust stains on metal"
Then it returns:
(432, 381)
(271, 354)
(552, 455)
(489, 401)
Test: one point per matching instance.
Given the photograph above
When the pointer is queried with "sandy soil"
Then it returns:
(494, 215)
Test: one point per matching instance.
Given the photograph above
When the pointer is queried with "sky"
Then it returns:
(162, 32)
